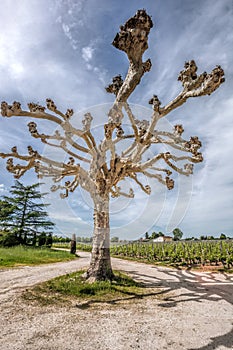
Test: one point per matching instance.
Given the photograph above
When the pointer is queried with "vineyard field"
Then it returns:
(181, 253)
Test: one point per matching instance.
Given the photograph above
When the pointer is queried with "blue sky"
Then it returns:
(62, 49)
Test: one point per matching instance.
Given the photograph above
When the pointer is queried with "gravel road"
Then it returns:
(183, 310)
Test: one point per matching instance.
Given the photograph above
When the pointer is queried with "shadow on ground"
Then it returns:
(192, 286)
(199, 287)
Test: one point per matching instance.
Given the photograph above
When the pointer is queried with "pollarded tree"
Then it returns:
(90, 165)
(28, 217)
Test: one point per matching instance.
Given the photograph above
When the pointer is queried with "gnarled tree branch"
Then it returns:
(107, 169)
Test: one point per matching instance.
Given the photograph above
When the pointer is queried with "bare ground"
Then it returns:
(183, 310)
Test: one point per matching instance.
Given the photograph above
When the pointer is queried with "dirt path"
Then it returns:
(12, 281)
(184, 310)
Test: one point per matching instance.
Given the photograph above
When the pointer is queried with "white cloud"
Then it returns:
(3, 190)
(66, 54)
(87, 53)
(88, 57)
(66, 218)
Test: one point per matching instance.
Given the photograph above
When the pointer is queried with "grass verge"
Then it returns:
(21, 255)
(68, 287)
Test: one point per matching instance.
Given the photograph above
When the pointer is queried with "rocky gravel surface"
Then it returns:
(183, 310)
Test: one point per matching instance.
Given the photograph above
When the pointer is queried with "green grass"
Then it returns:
(85, 247)
(73, 285)
(61, 245)
(20, 255)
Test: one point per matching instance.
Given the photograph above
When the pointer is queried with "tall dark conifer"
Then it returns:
(28, 219)
(6, 210)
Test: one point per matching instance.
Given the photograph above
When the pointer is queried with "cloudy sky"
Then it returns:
(62, 49)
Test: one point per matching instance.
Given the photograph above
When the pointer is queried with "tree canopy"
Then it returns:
(177, 234)
(100, 167)
(25, 214)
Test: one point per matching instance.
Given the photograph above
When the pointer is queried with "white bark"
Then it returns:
(100, 265)
(102, 178)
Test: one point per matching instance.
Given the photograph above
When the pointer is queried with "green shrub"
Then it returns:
(8, 239)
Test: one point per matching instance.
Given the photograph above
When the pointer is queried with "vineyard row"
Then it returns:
(184, 253)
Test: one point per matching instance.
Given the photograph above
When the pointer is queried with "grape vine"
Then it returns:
(182, 253)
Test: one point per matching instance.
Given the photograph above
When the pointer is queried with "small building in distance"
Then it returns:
(163, 239)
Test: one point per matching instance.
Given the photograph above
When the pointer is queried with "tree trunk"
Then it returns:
(22, 223)
(100, 266)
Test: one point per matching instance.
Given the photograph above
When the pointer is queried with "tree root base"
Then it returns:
(90, 277)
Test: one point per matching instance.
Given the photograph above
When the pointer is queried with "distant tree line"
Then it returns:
(61, 239)
(178, 234)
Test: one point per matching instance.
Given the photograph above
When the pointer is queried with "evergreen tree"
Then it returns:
(6, 210)
(6, 238)
(28, 218)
